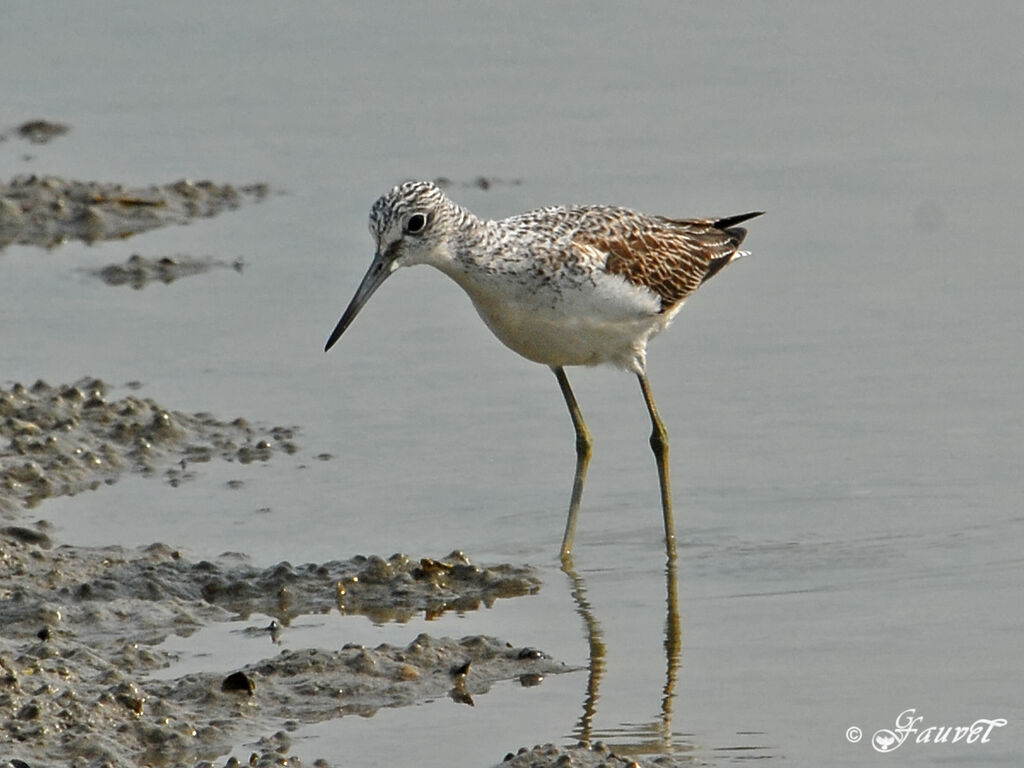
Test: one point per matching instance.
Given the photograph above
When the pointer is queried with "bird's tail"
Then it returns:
(736, 236)
(731, 221)
(728, 225)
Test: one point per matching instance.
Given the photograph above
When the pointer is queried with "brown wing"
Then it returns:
(672, 257)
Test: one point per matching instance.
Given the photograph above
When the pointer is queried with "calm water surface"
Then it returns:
(844, 405)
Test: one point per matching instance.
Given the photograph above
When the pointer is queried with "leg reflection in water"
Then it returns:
(660, 730)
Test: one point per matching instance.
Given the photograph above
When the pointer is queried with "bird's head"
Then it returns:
(410, 225)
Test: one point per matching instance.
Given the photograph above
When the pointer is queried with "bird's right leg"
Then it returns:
(583, 446)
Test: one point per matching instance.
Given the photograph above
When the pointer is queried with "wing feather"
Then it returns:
(671, 257)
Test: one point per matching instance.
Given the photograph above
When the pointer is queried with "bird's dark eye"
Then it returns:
(416, 224)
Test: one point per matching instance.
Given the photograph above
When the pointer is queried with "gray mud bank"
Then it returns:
(139, 271)
(49, 210)
(82, 626)
(60, 440)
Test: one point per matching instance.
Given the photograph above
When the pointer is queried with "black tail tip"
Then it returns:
(732, 221)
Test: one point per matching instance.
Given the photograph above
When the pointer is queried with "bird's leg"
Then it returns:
(583, 445)
(659, 444)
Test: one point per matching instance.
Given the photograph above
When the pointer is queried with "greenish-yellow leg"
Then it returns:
(583, 446)
(659, 444)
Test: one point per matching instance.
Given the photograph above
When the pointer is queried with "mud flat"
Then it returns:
(139, 271)
(594, 755)
(59, 440)
(82, 626)
(37, 131)
(480, 182)
(49, 210)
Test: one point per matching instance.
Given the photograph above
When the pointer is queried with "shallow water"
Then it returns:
(844, 404)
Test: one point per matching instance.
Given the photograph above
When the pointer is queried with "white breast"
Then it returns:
(569, 320)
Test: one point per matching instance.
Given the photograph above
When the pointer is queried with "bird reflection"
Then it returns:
(595, 639)
(660, 728)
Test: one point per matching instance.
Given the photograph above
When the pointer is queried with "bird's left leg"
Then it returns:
(659, 444)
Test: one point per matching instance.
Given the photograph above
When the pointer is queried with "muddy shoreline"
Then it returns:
(61, 440)
(47, 211)
(82, 629)
(82, 626)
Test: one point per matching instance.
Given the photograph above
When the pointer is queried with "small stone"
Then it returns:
(27, 536)
(41, 131)
(239, 681)
(30, 711)
(407, 672)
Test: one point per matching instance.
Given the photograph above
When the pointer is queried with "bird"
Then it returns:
(561, 286)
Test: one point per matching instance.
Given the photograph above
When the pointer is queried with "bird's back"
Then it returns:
(671, 257)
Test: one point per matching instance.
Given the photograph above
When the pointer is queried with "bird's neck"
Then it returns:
(471, 238)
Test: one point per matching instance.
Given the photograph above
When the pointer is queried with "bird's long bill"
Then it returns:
(375, 275)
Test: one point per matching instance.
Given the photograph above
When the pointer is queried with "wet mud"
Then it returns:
(480, 182)
(60, 440)
(139, 271)
(49, 210)
(82, 628)
(593, 755)
(38, 131)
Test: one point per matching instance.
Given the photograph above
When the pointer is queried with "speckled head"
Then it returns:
(390, 216)
(414, 223)
(411, 224)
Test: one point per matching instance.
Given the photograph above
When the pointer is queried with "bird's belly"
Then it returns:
(574, 319)
(558, 339)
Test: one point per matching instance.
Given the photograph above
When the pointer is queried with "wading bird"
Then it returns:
(561, 286)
